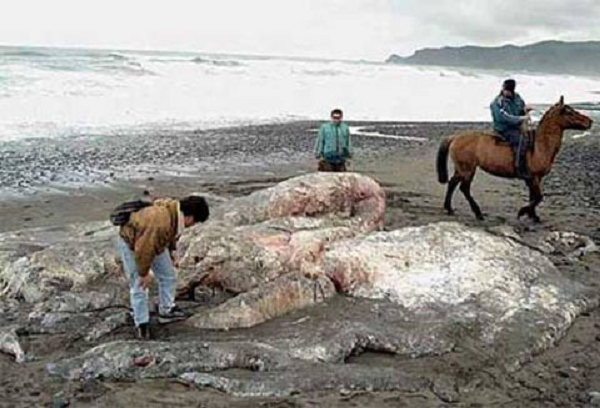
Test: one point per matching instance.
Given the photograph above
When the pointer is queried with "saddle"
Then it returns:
(529, 137)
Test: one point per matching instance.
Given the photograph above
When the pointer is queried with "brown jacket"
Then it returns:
(151, 231)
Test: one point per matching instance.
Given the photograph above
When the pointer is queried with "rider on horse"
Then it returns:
(509, 112)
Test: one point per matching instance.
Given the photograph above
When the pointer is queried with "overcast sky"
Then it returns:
(370, 29)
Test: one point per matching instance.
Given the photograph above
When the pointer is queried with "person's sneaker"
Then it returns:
(143, 331)
(174, 315)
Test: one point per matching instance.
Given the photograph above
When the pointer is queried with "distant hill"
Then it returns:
(556, 57)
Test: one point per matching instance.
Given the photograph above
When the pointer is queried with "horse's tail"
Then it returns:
(442, 160)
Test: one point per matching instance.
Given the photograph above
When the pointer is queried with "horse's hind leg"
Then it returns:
(452, 184)
(465, 187)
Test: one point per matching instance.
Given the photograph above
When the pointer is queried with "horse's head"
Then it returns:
(569, 118)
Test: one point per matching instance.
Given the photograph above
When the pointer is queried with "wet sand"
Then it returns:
(50, 182)
(263, 155)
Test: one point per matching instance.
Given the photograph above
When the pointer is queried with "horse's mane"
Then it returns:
(548, 113)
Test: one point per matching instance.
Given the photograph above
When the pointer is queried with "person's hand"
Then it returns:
(526, 118)
(146, 281)
(174, 259)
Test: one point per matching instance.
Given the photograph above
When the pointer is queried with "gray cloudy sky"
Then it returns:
(330, 28)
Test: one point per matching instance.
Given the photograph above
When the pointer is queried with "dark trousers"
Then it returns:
(330, 167)
(513, 137)
(517, 144)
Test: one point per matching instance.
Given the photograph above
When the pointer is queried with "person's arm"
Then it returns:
(320, 143)
(507, 117)
(349, 144)
(523, 110)
(151, 240)
(173, 252)
(147, 247)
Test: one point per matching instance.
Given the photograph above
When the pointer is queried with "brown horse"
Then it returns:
(477, 149)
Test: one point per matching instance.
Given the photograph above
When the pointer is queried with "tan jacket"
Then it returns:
(151, 231)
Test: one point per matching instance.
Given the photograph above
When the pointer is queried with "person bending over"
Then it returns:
(148, 241)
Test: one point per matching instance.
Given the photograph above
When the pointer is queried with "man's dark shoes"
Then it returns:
(174, 315)
(143, 331)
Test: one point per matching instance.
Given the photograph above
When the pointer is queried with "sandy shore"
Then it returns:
(48, 182)
(236, 161)
(53, 182)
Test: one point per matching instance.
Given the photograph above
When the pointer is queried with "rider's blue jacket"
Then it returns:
(507, 113)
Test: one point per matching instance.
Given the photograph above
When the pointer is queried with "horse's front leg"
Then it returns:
(535, 198)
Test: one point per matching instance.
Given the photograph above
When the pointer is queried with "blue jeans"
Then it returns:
(162, 266)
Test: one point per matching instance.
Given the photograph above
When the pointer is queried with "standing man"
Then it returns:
(509, 112)
(333, 147)
(148, 240)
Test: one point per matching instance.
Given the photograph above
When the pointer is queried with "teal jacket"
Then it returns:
(334, 144)
(507, 113)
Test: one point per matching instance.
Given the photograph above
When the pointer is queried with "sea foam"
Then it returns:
(47, 93)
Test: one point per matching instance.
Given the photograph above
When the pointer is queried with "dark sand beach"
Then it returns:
(50, 183)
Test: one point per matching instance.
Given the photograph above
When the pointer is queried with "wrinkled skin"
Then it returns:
(414, 293)
(253, 240)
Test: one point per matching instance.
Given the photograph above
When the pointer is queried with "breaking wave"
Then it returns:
(56, 92)
(217, 62)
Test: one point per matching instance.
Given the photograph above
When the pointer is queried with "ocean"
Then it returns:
(48, 92)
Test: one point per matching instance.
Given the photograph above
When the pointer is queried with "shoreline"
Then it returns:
(238, 160)
(75, 180)
(235, 161)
